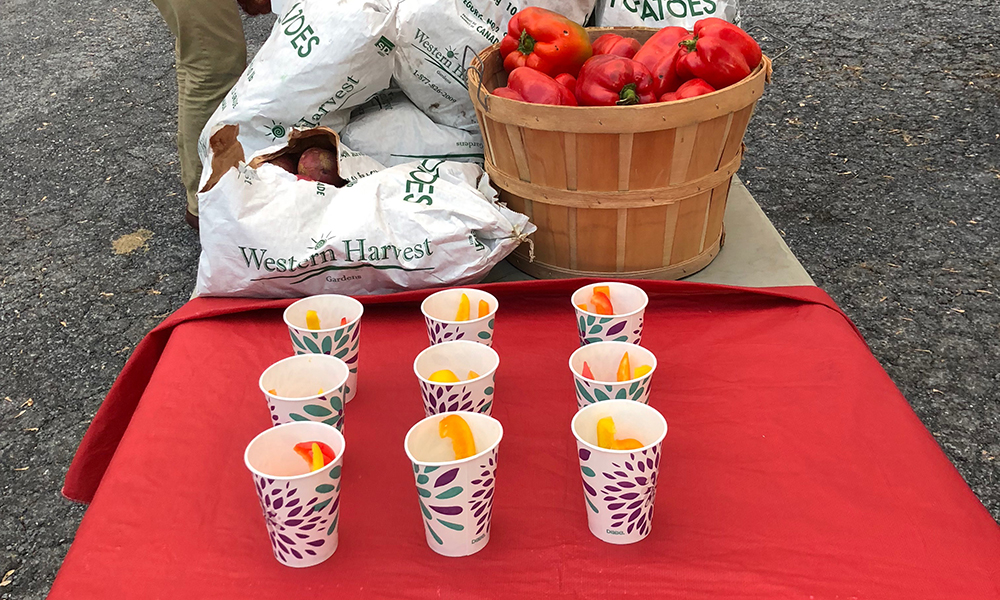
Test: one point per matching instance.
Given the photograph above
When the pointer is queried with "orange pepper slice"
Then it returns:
(624, 369)
(583, 307)
(604, 289)
(462, 442)
(463, 309)
(473, 375)
(444, 376)
(484, 308)
(343, 321)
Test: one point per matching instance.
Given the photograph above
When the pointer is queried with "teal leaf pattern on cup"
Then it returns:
(589, 392)
(428, 495)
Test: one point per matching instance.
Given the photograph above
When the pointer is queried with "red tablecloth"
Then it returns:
(792, 466)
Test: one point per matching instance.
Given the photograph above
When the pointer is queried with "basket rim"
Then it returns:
(615, 119)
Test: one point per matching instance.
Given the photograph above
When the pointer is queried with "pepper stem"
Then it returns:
(628, 95)
(691, 45)
(527, 43)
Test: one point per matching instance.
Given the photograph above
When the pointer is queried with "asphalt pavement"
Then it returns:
(874, 152)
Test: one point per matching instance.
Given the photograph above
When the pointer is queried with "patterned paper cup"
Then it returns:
(474, 395)
(297, 381)
(301, 509)
(625, 325)
(619, 486)
(455, 496)
(439, 314)
(341, 341)
(603, 359)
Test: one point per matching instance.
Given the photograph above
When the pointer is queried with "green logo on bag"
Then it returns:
(384, 46)
(276, 130)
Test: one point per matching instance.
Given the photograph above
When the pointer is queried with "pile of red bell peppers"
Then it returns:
(550, 60)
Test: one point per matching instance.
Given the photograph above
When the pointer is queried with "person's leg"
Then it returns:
(211, 54)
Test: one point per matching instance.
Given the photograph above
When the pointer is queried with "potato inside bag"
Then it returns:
(269, 233)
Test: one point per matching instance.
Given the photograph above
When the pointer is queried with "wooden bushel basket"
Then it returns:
(632, 191)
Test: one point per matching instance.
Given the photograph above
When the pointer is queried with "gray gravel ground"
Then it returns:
(874, 152)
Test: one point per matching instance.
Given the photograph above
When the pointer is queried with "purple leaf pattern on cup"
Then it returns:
(440, 398)
(297, 528)
(628, 491)
(481, 502)
(591, 329)
(436, 494)
(438, 331)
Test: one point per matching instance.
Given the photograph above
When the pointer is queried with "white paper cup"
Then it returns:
(474, 395)
(603, 359)
(619, 486)
(301, 509)
(340, 341)
(455, 496)
(439, 315)
(298, 381)
(629, 303)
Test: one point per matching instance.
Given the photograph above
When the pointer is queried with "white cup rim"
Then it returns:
(630, 345)
(605, 403)
(645, 300)
(423, 379)
(493, 311)
(260, 380)
(284, 314)
(327, 467)
(451, 463)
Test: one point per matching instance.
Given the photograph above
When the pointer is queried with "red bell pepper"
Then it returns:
(305, 450)
(688, 89)
(718, 52)
(659, 55)
(607, 80)
(569, 81)
(528, 85)
(612, 43)
(726, 31)
(545, 41)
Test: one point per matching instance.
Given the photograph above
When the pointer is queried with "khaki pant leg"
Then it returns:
(211, 54)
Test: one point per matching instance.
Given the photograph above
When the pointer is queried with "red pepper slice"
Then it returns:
(659, 55)
(529, 85)
(545, 41)
(602, 303)
(587, 372)
(612, 43)
(304, 450)
(607, 80)
(688, 89)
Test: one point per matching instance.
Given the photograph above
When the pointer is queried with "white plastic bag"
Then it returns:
(323, 57)
(265, 233)
(438, 40)
(663, 13)
(393, 131)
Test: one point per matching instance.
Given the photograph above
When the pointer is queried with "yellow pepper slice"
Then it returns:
(317, 455)
(473, 374)
(463, 309)
(312, 320)
(462, 442)
(444, 376)
(640, 371)
(606, 437)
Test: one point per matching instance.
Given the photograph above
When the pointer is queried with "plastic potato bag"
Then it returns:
(438, 40)
(322, 58)
(663, 13)
(414, 135)
(266, 233)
